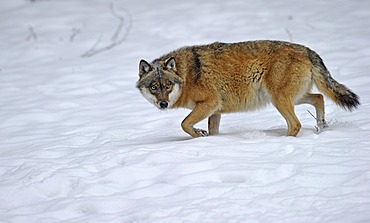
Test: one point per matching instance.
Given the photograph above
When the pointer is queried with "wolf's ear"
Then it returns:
(170, 64)
(144, 67)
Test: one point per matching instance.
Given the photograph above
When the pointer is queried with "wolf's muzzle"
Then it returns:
(163, 104)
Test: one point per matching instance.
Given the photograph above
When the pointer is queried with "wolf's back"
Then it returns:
(337, 92)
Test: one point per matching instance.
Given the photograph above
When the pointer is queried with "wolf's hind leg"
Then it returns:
(214, 124)
(286, 109)
(317, 100)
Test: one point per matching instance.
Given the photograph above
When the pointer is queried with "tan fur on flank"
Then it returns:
(223, 78)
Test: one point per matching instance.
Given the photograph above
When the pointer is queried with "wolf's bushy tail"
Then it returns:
(337, 92)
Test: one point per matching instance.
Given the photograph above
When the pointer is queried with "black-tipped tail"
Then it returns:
(339, 93)
(346, 98)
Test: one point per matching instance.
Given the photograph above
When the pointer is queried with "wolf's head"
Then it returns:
(159, 82)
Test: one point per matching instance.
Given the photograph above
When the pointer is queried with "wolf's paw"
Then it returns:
(201, 132)
(321, 126)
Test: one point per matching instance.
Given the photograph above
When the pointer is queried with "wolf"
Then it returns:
(223, 78)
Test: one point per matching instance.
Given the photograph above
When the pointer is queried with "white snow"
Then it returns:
(78, 143)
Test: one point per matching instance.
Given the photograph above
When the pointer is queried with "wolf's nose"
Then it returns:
(163, 104)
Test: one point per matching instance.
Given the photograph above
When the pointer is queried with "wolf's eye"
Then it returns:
(153, 88)
(169, 86)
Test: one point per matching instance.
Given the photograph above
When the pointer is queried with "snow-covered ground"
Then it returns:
(78, 143)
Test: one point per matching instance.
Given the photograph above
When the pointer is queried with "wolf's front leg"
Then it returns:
(201, 111)
(214, 124)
